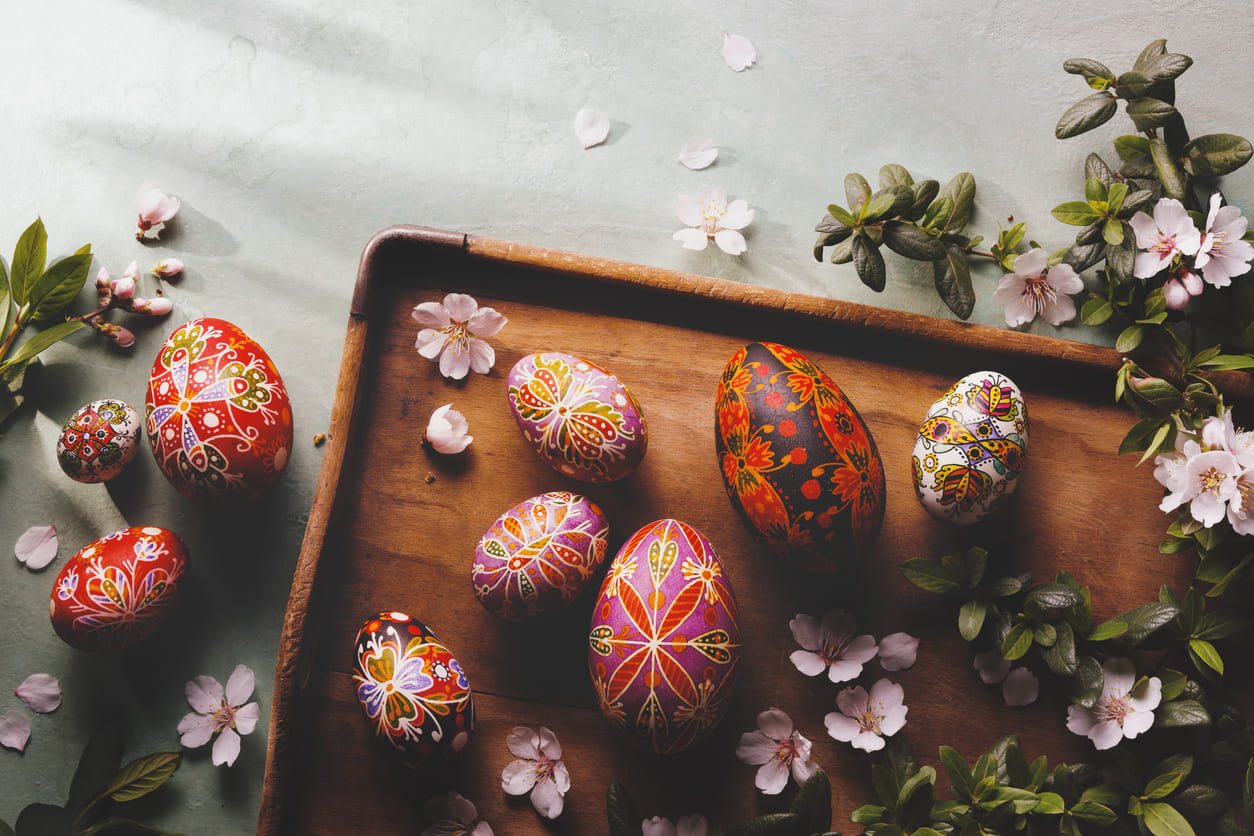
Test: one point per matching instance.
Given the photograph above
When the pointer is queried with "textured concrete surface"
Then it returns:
(295, 129)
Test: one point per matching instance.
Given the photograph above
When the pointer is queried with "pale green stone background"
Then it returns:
(293, 131)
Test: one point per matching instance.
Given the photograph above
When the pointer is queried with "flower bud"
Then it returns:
(123, 288)
(102, 281)
(119, 335)
(168, 268)
(160, 306)
(131, 271)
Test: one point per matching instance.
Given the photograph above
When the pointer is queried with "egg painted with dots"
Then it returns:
(799, 463)
(99, 440)
(218, 416)
(413, 692)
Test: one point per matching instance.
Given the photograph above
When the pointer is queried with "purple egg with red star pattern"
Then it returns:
(664, 648)
(539, 555)
(580, 418)
(412, 691)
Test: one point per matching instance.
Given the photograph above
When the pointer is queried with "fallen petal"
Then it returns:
(40, 692)
(898, 652)
(591, 126)
(1020, 687)
(37, 546)
(14, 730)
(698, 154)
(738, 52)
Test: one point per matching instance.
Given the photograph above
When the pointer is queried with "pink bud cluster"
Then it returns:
(120, 293)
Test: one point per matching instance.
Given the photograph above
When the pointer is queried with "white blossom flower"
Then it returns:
(711, 217)
(453, 815)
(699, 154)
(830, 646)
(446, 430)
(538, 770)
(898, 652)
(14, 730)
(690, 825)
(452, 330)
(1162, 237)
(221, 712)
(155, 208)
(779, 749)
(1208, 483)
(738, 52)
(865, 720)
(1120, 711)
(1036, 288)
(591, 126)
(1180, 285)
(1222, 254)
(40, 692)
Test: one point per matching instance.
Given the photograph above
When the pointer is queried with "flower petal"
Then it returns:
(738, 52)
(1106, 735)
(37, 546)
(1032, 263)
(698, 154)
(460, 306)
(852, 701)
(196, 729)
(1080, 720)
(898, 651)
(486, 322)
(802, 769)
(1020, 687)
(549, 745)
(1119, 675)
(692, 239)
(430, 343)
(204, 694)
(738, 215)
(226, 748)
(868, 741)
(518, 777)
(754, 748)
(592, 127)
(772, 777)
(692, 825)
(657, 826)
(561, 776)
(461, 808)
(40, 692)
(841, 727)
(730, 241)
(843, 670)
(522, 742)
(810, 664)
(1136, 723)
(775, 724)
(805, 631)
(1062, 310)
(246, 718)
(547, 798)
(482, 356)
(14, 730)
(455, 364)
(688, 210)
(432, 315)
(239, 686)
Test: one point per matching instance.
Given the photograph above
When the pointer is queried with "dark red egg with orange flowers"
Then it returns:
(797, 459)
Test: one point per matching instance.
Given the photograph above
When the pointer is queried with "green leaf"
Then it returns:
(1051, 804)
(1220, 625)
(1215, 155)
(1140, 435)
(893, 174)
(869, 263)
(886, 785)
(813, 803)
(1054, 596)
(1005, 587)
(930, 575)
(123, 826)
(961, 191)
(42, 340)
(1094, 190)
(841, 215)
(1118, 194)
(1164, 820)
(910, 241)
(1148, 114)
(28, 261)
(1129, 338)
(936, 214)
(1144, 620)
(1107, 631)
(1112, 231)
(1206, 652)
(1168, 66)
(1162, 786)
(1023, 801)
(960, 777)
(1201, 800)
(1086, 686)
(1181, 713)
(868, 814)
(1086, 114)
(971, 618)
(1132, 147)
(773, 824)
(1180, 764)
(58, 286)
(143, 775)
(952, 276)
(1076, 213)
(857, 193)
(886, 204)
(1169, 174)
(925, 192)
(831, 226)
(1108, 795)
(1230, 362)
(44, 820)
(621, 812)
(1094, 72)
(1017, 642)
(1247, 791)
(97, 766)
(6, 307)
(1122, 259)
(1061, 658)
(842, 253)
(1150, 54)
(1094, 813)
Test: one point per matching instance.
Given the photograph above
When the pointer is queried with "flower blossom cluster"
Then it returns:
(1171, 246)
(1212, 473)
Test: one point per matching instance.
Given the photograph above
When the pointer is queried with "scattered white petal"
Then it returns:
(40, 692)
(37, 546)
(591, 126)
(1020, 687)
(898, 652)
(738, 52)
(699, 154)
(14, 730)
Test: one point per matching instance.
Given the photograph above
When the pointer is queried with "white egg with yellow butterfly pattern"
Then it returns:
(970, 450)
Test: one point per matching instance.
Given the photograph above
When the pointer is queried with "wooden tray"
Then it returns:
(394, 527)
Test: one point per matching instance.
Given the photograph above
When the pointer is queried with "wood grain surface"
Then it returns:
(394, 527)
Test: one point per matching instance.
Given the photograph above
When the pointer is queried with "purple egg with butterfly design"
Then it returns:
(970, 450)
(664, 646)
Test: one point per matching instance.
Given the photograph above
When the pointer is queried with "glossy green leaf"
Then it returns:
(1181, 713)
(959, 773)
(1200, 800)
(1150, 54)
(1094, 813)
(1167, 66)
(1051, 804)
(952, 276)
(857, 192)
(143, 775)
(961, 191)
(1115, 196)
(925, 191)
(1107, 631)
(6, 307)
(868, 814)
(1180, 764)
(1076, 213)
(1094, 190)
(621, 811)
(1161, 819)
(1217, 625)
(1169, 174)
(1017, 642)
(1090, 69)
(1061, 657)
(910, 241)
(936, 214)
(894, 175)
(1083, 256)
(1215, 155)
(1147, 114)
(97, 766)
(971, 618)
(1122, 259)
(1145, 620)
(1085, 687)
(930, 575)
(830, 226)
(1096, 311)
(884, 204)
(1206, 652)
(1247, 791)
(813, 803)
(1229, 362)
(1129, 339)
(1005, 587)
(842, 253)
(841, 215)
(28, 262)
(58, 286)
(41, 341)
(1086, 114)
(1134, 85)
(1131, 147)
(1162, 786)
(1050, 596)
(1137, 200)
(869, 263)
(1112, 232)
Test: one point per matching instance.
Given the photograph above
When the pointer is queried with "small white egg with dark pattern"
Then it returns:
(99, 441)
(539, 555)
(970, 450)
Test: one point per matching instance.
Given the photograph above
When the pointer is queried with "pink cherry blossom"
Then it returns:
(157, 306)
(446, 431)
(1161, 238)
(1036, 288)
(155, 207)
(864, 720)
(711, 218)
(453, 815)
(780, 751)
(453, 331)
(167, 268)
(220, 711)
(538, 770)
(1181, 284)
(1222, 253)
(1120, 713)
(830, 646)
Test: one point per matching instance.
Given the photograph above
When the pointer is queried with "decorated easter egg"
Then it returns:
(664, 649)
(99, 441)
(577, 416)
(219, 418)
(971, 448)
(539, 555)
(798, 461)
(118, 590)
(412, 691)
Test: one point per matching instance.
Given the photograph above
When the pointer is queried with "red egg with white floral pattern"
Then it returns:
(219, 418)
(664, 648)
(413, 692)
(118, 590)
